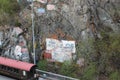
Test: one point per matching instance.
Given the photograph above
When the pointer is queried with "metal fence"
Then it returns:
(53, 76)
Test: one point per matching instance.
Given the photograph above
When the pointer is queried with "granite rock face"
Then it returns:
(75, 19)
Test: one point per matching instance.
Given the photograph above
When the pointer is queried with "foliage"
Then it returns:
(85, 49)
(8, 10)
(9, 6)
(114, 76)
(90, 72)
(42, 65)
(102, 56)
(109, 47)
(69, 69)
(109, 53)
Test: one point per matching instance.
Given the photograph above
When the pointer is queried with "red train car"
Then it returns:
(17, 69)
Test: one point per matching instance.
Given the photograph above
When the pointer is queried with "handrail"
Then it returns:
(50, 75)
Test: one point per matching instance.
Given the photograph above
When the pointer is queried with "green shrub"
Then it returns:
(68, 69)
(8, 11)
(90, 72)
(42, 65)
(114, 76)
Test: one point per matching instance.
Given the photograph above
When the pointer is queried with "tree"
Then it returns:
(8, 10)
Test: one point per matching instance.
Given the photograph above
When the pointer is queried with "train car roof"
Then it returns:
(16, 64)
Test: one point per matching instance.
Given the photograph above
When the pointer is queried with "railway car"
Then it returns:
(17, 69)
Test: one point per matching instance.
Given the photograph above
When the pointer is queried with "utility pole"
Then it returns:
(33, 36)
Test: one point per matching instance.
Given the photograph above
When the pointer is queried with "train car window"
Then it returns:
(6, 68)
(9, 69)
(16, 70)
(0, 66)
(3, 67)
